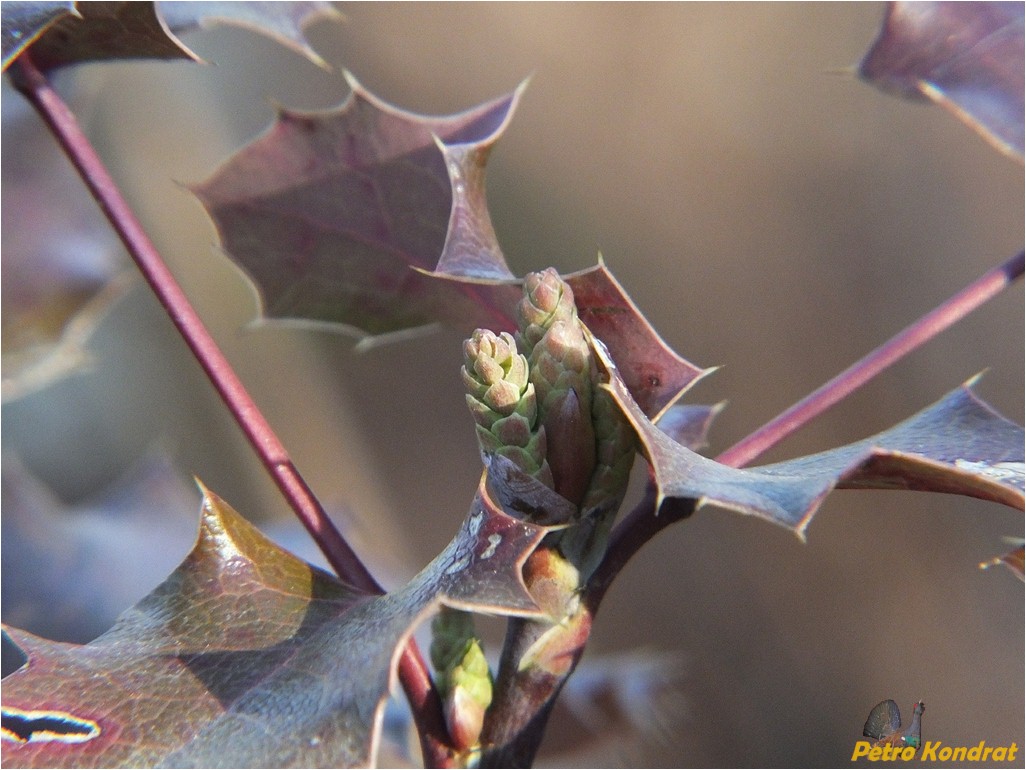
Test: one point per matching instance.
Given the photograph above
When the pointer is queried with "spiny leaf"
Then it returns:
(968, 57)
(23, 22)
(688, 424)
(247, 656)
(282, 22)
(145, 30)
(958, 445)
(328, 212)
(655, 375)
(375, 219)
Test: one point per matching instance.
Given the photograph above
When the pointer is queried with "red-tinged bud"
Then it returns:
(570, 441)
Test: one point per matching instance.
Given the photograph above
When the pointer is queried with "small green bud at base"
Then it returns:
(463, 676)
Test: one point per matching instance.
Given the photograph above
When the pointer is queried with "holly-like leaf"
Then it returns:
(958, 445)
(655, 375)
(688, 424)
(248, 657)
(328, 212)
(967, 57)
(283, 22)
(375, 219)
(23, 22)
(145, 30)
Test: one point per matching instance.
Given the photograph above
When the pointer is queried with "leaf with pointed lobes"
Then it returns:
(248, 657)
(104, 31)
(959, 445)
(653, 372)
(967, 57)
(329, 211)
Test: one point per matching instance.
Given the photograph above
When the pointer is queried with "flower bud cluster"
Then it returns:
(503, 402)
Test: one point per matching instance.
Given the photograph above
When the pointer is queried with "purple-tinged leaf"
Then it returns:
(23, 22)
(959, 445)
(248, 657)
(967, 57)
(107, 30)
(283, 22)
(101, 31)
(329, 212)
(471, 249)
(688, 424)
(655, 375)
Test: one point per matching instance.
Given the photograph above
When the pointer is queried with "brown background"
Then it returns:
(769, 214)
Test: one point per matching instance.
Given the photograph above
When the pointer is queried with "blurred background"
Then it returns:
(769, 213)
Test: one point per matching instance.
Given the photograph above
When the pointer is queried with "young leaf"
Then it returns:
(147, 30)
(246, 656)
(958, 445)
(328, 212)
(968, 57)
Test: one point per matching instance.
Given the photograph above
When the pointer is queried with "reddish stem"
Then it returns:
(642, 524)
(858, 374)
(413, 672)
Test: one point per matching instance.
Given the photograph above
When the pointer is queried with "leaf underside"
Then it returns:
(248, 657)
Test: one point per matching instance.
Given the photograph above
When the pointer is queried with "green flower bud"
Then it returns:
(561, 373)
(464, 679)
(547, 299)
(494, 372)
(615, 449)
(503, 402)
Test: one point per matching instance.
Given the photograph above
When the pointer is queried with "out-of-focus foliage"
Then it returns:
(967, 57)
(246, 656)
(61, 33)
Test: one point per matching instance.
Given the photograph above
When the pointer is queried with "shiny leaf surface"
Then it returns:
(247, 656)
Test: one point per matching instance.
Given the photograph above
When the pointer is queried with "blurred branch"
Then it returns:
(35, 86)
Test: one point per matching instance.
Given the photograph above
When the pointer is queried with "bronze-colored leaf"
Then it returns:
(248, 657)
